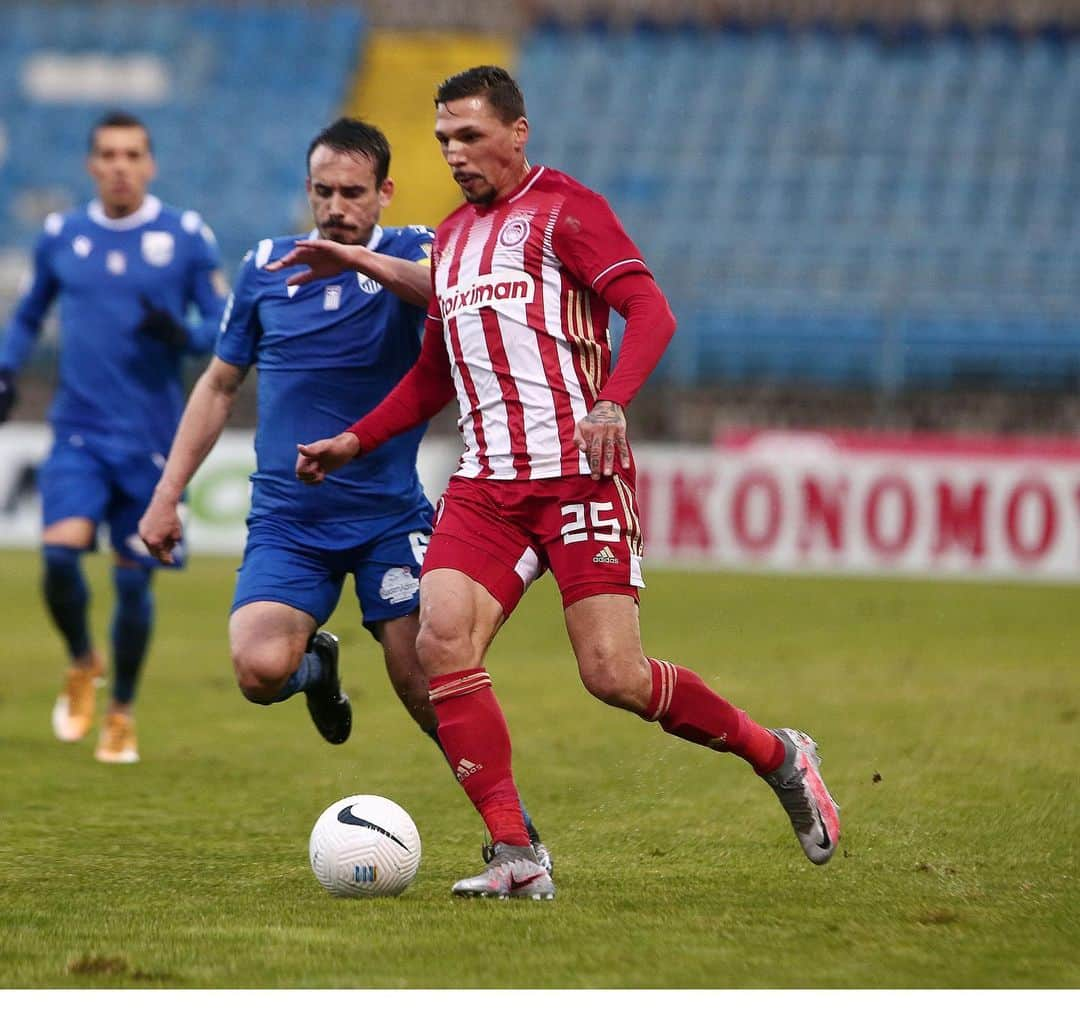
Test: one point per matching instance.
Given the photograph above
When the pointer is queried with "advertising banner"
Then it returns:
(846, 503)
(866, 504)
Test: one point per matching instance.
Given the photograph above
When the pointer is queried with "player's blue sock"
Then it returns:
(133, 620)
(308, 673)
(67, 596)
(526, 817)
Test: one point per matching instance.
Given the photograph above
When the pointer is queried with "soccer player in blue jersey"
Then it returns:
(325, 353)
(125, 269)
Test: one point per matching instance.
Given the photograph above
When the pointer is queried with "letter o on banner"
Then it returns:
(897, 489)
(766, 488)
(1046, 528)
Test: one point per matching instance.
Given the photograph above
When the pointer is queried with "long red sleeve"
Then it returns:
(650, 324)
(417, 397)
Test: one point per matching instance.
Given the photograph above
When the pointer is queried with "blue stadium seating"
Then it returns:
(835, 207)
(248, 84)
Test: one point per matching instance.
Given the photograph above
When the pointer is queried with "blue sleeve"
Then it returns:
(22, 330)
(206, 261)
(417, 241)
(240, 326)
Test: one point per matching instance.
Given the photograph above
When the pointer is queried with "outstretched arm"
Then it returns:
(417, 397)
(208, 408)
(323, 259)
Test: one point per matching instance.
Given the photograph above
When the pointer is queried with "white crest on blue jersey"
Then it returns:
(368, 285)
(54, 222)
(116, 262)
(291, 290)
(82, 245)
(332, 298)
(158, 247)
(191, 221)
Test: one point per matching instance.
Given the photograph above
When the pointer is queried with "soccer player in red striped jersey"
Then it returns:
(525, 274)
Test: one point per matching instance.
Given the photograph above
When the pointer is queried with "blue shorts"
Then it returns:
(85, 478)
(280, 566)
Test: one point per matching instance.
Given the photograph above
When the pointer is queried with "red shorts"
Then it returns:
(505, 533)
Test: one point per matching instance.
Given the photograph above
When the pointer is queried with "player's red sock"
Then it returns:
(688, 708)
(473, 734)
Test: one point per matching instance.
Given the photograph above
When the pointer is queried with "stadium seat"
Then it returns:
(910, 200)
(227, 137)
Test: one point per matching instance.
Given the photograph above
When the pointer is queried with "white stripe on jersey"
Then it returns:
(474, 351)
(522, 347)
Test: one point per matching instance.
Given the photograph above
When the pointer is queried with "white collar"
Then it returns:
(149, 210)
(372, 244)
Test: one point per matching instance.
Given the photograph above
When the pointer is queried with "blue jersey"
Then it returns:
(327, 352)
(118, 385)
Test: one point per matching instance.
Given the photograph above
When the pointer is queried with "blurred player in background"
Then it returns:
(126, 269)
(525, 272)
(325, 354)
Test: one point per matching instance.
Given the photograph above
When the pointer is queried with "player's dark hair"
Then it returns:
(355, 137)
(118, 118)
(492, 83)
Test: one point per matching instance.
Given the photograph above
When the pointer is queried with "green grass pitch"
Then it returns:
(947, 714)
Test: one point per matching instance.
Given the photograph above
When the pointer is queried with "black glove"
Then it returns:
(8, 395)
(159, 324)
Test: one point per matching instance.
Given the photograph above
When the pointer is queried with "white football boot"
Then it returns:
(798, 784)
(512, 873)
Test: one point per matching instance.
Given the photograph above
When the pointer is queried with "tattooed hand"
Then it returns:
(599, 435)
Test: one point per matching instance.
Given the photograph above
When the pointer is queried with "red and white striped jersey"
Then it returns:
(518, 292)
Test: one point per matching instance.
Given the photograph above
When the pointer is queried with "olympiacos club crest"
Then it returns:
(514, 232)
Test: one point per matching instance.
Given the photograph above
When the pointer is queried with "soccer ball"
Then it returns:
(364, 846)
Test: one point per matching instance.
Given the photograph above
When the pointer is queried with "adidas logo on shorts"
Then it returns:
(465, 769)
(605, 557)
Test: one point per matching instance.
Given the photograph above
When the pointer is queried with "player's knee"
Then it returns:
(604, 683)
(443, 650)
(260, 675)
(614, 680)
